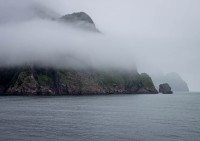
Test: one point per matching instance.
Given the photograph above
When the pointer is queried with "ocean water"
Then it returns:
(101, 118)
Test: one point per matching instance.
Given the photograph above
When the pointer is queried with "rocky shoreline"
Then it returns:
(28, 80)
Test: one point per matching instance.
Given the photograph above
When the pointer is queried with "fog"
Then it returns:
(159, 36)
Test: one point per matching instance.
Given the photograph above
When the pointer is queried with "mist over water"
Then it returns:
(159, 36)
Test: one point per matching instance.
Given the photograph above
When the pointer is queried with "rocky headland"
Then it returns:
(31, 79)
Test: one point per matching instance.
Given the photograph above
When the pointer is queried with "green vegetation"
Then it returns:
(146, 80)
(43, 79)
(63, 77)
(66, 81)
(77, 81)
(109, 79)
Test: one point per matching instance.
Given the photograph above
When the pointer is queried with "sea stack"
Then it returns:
(165, 88)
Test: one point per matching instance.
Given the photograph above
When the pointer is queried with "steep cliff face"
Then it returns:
(47, 81)
(25, 83)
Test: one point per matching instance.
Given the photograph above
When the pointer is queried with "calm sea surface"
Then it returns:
(101, 118)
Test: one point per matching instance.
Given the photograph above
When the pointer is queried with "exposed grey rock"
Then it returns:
(25, 84)
(45, 91)
(81, 20)
(165, 88)
(77, 17)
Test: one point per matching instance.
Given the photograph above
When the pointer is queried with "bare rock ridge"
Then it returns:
(77, 17)
(80, 19)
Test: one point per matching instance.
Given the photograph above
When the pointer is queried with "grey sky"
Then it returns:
(162, 34)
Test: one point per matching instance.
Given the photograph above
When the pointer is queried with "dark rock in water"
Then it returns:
(29, 80)
(81, 20)
(165, 88)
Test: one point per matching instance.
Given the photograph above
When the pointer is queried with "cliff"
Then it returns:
(30, 80)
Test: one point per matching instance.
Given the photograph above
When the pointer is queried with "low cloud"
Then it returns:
(58, 44)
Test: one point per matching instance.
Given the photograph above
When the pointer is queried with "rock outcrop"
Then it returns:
(25, 83)
(78, 17)
(80, 20)
(165, 88)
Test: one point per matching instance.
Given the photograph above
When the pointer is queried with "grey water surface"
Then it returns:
(101, 118)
